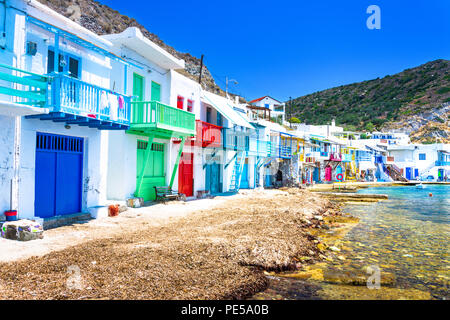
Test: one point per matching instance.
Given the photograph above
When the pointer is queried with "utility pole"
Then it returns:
(290, 112)
(201, 69)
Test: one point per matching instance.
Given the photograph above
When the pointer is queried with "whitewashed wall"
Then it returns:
(6, 161)
(94, 163)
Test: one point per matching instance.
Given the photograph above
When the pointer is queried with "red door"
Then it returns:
(186, 174)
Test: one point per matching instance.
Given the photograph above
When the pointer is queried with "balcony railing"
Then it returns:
(442, 163)
(22, 87)
(207, 135)
(335, 156)
(285, 152)
(260, 148)
(235, 140)
(346, 157)
(73, 96)
(154, 115)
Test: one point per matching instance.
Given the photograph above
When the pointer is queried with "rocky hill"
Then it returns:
(416, 101)
(102, 19)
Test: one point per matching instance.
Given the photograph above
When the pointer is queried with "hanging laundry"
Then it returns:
(104, 102)
(114, 106)
(121, 102)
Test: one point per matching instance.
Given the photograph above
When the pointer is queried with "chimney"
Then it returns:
(333, 122)
(236, 99)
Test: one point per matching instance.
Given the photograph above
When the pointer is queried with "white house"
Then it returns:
(62, 71)
(275, 108)
(421, 161)
(162, 118)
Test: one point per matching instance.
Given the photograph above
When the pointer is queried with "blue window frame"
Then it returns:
(422, 156)
(67, 63)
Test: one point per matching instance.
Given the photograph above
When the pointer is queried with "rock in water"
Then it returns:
(22, 230)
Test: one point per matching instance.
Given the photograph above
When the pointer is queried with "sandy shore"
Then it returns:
(206, 249)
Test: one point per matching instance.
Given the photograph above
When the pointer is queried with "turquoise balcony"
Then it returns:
(156, 118)
(235, 140)
(77, 102)
(22, 92)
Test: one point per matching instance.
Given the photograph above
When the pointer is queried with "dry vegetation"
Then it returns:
(212, 254)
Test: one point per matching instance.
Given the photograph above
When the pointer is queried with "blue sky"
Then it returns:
(292, 48)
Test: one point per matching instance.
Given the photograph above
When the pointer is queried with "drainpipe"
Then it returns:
(14, 204)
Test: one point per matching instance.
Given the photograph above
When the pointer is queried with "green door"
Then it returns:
(156, 91)
(138, 87)
(154, 174)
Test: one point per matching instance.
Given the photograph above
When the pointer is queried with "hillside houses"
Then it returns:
(88, 119)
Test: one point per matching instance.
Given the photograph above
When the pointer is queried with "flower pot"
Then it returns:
(11, 215)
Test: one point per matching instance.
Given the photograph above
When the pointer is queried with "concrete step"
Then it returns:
(64, 220)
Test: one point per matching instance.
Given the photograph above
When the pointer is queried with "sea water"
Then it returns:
(406, 237)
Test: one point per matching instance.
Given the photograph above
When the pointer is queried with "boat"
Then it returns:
(420, 186)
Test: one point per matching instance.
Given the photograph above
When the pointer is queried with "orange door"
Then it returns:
(186, 174)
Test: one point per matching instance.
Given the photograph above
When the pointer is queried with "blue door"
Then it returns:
(416, 173)
(244, 179)
(212, 183)
(58, 178)
(316, 176)
(408, 173)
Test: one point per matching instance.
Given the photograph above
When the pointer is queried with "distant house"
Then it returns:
(422, 162)
(275, 108)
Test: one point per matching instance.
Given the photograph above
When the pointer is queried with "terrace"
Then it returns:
(62, 98)
(207, 135)
(153, 117)
(22, 92)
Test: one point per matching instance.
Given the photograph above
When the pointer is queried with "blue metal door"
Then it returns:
(212, 183)
(316, 177)
(58, 178)
(408, 173)
(244, 179)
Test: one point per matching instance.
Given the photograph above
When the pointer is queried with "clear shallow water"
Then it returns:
(406, 237)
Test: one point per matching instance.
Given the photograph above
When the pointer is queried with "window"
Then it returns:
(180, 102)
(208, 114)
(219, 119)
(190, 105)
(66, 63)
(422, 156)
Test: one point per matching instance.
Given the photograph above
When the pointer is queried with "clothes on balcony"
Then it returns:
(121, 102)
(104, 101)
(113, 106)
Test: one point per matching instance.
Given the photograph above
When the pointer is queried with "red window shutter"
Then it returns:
(190, 105)
(180, 102)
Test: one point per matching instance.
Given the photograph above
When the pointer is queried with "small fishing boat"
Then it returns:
(420, 186)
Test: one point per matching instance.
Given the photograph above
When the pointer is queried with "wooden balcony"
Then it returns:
(207, 135)
(153, 117)
(22, 93)
(77, 102)
(259, 148)
(335, 156)
(346, 157)
(235, 140)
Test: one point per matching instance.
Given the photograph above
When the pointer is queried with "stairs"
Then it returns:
(394, 172)
(237, 171)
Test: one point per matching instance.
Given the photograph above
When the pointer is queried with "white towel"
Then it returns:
(114, 106)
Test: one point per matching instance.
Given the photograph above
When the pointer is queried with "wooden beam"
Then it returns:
(177, 162)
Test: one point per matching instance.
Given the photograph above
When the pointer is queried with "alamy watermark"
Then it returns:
(374, 20)
(374, 279)
(74, 282)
